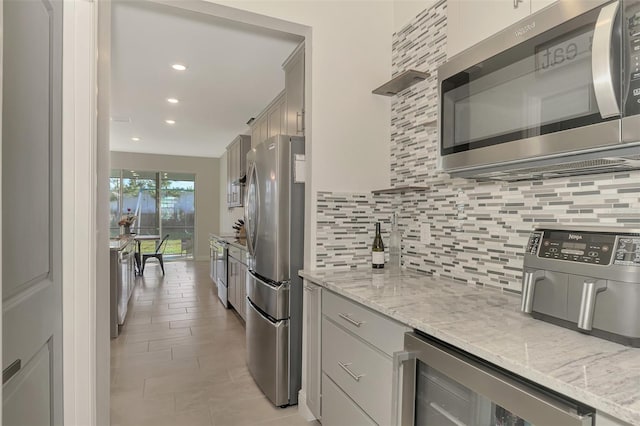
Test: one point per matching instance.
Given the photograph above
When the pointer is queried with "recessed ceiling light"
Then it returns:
(178, 67)
(136, 139)
(172, 100)
(170, 121)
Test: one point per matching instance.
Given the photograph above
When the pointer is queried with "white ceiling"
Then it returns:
(234, 71)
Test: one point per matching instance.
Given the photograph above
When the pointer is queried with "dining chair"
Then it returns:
(158, 254)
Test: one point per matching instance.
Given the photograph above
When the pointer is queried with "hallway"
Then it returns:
(180, 358)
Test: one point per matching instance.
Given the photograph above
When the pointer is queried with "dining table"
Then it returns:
(138, 254)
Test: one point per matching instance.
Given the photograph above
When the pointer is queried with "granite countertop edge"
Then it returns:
(122, 243)
(231, 239)
(561, 379)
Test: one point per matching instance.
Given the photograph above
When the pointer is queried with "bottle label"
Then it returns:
(377, 257)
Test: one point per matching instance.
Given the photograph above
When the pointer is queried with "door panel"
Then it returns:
(31, 210)
(267, 354)
(272, 175)
(26, 396)
(26, 142)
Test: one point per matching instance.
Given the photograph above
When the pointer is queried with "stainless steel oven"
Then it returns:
(436, 384)
(555, 94)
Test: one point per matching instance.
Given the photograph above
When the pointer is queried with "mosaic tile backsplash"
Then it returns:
(478, 229)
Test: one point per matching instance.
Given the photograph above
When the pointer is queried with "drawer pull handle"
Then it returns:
(346, 368)
(347, 318)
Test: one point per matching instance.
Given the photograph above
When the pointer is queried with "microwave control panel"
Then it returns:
(632, 40)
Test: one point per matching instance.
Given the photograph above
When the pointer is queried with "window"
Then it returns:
(169, 210)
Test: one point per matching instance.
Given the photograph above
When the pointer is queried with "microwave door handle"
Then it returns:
(601, 66)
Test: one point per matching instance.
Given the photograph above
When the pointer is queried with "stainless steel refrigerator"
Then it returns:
(274, 220)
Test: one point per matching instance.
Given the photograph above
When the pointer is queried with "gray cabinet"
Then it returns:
(470, 21)
(294, 92)
(483, 18)
(270, 122)
(236, 169)
(122, 281)
(313, 320)
(232, 267)
(237, 280)
(357, 349)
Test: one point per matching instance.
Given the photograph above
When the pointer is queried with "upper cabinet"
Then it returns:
(236, 169)
(285, 114)
(270, 122)
(470, 21)
(294, 92)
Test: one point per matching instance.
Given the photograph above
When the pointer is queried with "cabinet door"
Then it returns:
(536, 5)
(229, 179)
(275, 118)
(470, 21)
(294, 95)
(231, 278)
(313, 319)
(255, 134)
(240, 289)
(264, 129)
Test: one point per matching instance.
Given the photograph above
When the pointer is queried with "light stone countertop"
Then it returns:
(231, 240)
(118, 244)
(488, 323)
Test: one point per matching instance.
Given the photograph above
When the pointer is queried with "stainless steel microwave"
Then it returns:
(556, 94)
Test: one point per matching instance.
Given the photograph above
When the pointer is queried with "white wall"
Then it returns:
(207, 197)
(227, 216)
(406, 10)
(350, 53)
(347, 54)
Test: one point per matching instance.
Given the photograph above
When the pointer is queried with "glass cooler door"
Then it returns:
(445, 386)
(445, 402)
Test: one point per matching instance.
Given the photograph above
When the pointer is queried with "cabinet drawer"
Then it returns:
(338, 409)
(361, 371)
(382, 332)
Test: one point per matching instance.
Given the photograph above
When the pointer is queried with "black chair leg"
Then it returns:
(161, 264)
(144, 262)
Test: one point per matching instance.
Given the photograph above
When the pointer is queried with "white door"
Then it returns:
(31, 212)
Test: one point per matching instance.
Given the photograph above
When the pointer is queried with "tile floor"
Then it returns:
(180, 358)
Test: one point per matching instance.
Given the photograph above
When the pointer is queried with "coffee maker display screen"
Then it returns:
(584, 247)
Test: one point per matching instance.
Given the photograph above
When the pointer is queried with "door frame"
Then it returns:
(81, 237)
(85, 162)
(93, 164)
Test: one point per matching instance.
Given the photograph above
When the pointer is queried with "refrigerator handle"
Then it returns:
(250, 223)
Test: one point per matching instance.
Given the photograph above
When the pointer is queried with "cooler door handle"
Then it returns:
(590, 289)
(601, 67)
(400, 358)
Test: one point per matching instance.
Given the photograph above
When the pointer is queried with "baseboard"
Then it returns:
(303, 410)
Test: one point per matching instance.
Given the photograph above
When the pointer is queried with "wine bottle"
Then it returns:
(377, 250)
(394, 244)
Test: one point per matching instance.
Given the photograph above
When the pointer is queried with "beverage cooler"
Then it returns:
(436, 384)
